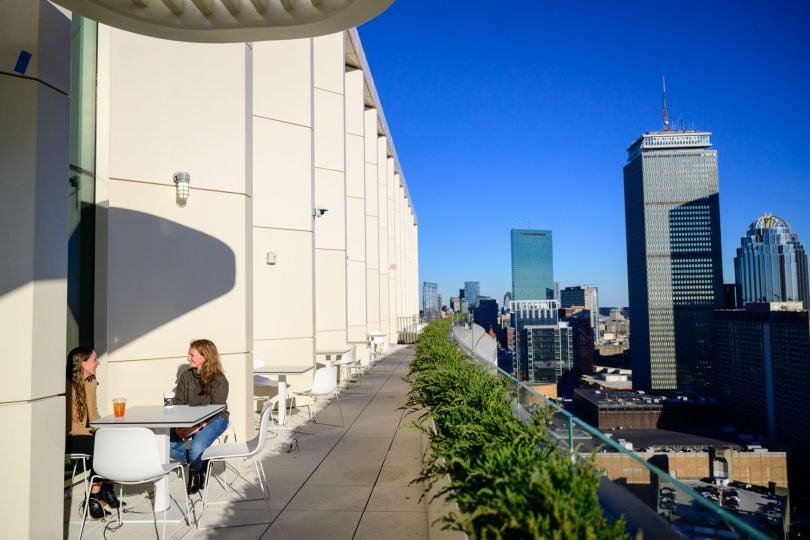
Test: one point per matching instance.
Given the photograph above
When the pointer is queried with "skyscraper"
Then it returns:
(532, 265)
(761, 358)
(430, 301)
(471, 291)
(585, 296)
(674, 265)
(525, 314)
(771, 263)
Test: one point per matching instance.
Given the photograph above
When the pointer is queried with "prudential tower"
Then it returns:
(674, 263)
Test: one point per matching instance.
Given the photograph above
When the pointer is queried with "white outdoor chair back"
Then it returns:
(127, 454)
(365, 361)
(324, 381)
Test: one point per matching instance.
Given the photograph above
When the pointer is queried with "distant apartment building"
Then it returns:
(455, 304)
(587, 297)
(471, 291)
(532, 265)
(579, 319)
(430, 301)
(771, 263)
(762, 369)
(507, 300)
(485, 314)
(543, 345)
(674, 263)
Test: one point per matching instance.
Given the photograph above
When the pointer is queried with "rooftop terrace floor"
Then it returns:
(342, 482)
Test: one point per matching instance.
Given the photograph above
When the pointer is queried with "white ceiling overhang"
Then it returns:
(227, 21)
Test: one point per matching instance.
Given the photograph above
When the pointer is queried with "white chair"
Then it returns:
(345, 364)
(77, 457)
(129, 455)
(261, 380)
(324, 385)
(240, 450)
(364, 365)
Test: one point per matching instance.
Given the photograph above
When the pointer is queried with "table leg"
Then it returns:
(162, 486)
(282, 400)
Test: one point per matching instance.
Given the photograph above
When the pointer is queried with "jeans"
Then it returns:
(199, 442)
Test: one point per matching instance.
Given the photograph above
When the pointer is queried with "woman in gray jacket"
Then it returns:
(203, 384)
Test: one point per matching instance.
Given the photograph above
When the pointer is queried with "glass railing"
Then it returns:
(690, 508)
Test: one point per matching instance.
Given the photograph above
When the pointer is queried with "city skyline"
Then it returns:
(532, 123)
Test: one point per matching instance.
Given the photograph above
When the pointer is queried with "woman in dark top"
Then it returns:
(80, 372)
(203, 384)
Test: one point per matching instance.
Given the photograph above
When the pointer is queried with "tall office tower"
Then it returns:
(674, 264)
(532, 265)
(771, 263)
(471, 291)
(440, 301)
(485, 314)
(430, 301)
(526, 313)
(762, 366)
(587, 297)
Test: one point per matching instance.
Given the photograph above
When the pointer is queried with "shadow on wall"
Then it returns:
(158, 270)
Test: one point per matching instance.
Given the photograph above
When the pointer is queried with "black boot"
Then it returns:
(94, 507)
(193, 482)
(201, 474)
(107, 494)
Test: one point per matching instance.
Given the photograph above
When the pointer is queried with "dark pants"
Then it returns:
(81, 444)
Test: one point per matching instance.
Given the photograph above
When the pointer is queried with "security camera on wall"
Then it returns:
(319, 212)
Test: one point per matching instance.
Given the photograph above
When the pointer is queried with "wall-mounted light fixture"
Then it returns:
(319, 212)
(181, 181)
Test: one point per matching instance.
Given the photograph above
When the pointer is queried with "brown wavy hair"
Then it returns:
(212, 367)
(75, 378)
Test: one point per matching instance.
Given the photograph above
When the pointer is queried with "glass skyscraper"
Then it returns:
(674, 264)
(472, 289)
(771, 263)
(532, 265)
(430, 301)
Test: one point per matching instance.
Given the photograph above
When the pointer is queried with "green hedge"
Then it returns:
(507, 477)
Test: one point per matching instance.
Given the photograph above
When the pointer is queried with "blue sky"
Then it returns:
(506, 115)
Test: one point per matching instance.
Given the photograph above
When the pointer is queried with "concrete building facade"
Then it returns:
(272, 133)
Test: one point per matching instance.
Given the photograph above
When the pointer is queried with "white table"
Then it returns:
(161, 420)
(328, 353)
(282, 371)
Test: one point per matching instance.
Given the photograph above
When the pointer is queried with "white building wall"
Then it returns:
(356, 171)
(33, 279)
(267, 131)
(329, 161)
(167, 275)
(283, 314)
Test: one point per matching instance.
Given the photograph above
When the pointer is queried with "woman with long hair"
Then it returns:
(82, 407)
(203, 384)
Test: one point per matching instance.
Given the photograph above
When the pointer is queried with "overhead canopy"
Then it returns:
(225, 21)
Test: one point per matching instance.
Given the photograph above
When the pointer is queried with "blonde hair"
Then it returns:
(212, 367)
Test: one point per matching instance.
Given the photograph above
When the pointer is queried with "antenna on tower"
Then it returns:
(665, 112)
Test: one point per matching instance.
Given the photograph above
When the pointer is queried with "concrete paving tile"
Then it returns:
(238, 514)
(287, 475)
(304, 457)
(249, 532)
(397, 476)
(305, 524)
(358, 475)
(349, 498)
(373, 427)
(397, 499)
(363, 444)
(351, 459)
(393, 526)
